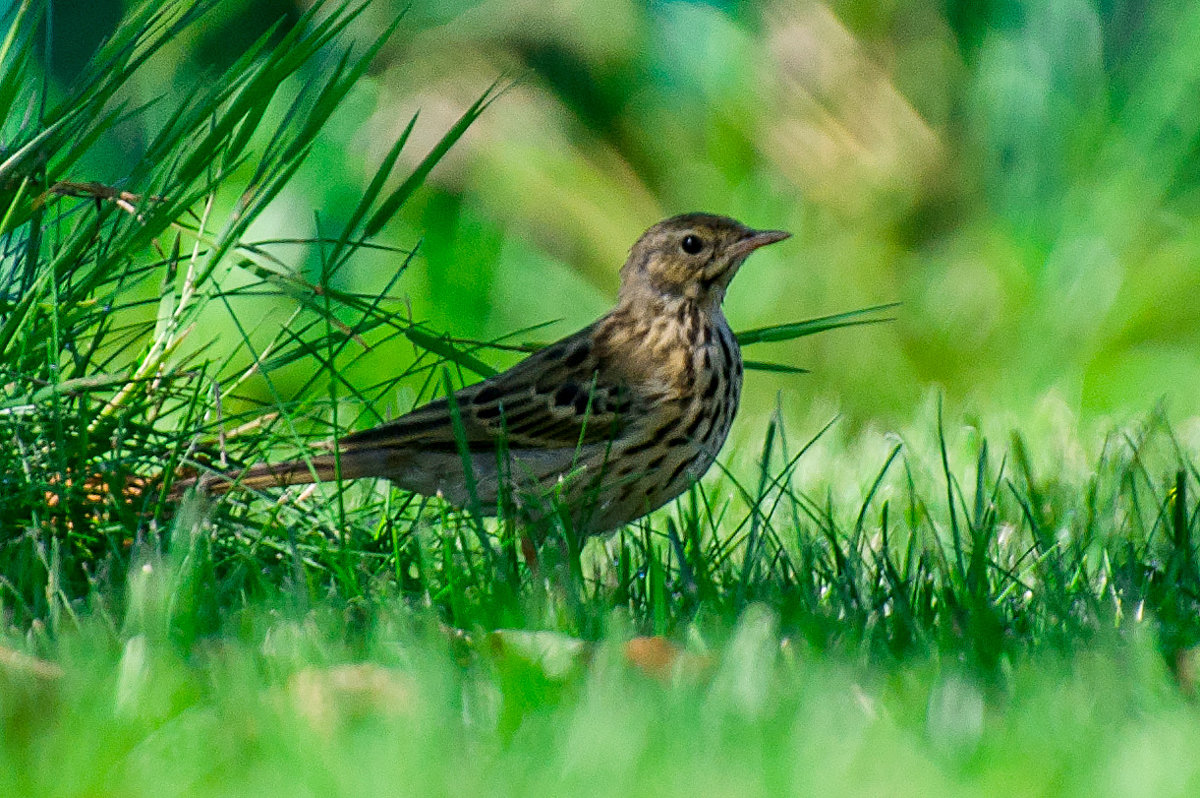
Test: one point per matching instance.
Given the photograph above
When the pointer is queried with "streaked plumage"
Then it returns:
(609, 423)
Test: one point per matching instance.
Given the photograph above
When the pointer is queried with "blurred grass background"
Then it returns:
(1021, 175)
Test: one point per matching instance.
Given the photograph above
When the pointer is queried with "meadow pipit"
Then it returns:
(601, 427)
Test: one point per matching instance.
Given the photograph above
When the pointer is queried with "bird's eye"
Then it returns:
(692, 244)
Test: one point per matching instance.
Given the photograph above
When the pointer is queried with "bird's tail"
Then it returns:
(322, 468)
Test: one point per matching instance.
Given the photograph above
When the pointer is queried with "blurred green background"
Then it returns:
(1023, 176)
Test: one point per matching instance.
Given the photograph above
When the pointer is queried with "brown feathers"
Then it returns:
(609, 423)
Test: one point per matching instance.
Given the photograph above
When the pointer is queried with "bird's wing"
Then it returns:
(562, 396)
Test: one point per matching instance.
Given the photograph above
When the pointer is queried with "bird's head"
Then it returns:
(692, 256)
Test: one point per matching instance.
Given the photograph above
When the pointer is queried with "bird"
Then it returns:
(597, 429)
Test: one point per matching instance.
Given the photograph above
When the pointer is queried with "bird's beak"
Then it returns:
(756, 239)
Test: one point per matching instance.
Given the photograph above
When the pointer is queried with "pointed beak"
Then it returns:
(756, 239)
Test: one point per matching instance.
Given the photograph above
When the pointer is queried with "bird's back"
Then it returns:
(608, 424)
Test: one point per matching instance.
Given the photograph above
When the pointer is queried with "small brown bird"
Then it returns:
(607, 424)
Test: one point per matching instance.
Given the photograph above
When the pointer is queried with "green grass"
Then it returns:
(319, 701)
(955, 609)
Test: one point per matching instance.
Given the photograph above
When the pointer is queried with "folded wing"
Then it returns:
(561, 397)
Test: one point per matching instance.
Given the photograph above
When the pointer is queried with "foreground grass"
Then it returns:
(322, 702)
(1068, 669)
(885, 547)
